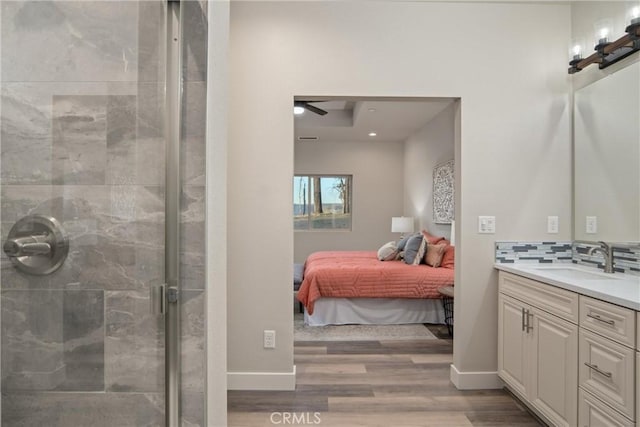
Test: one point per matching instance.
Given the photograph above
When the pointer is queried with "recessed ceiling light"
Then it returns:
(297, 110)
(372, 110)
(372, 134)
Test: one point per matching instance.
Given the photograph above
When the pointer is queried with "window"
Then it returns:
(322, 202)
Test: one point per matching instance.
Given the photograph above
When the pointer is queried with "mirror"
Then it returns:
(607, 158)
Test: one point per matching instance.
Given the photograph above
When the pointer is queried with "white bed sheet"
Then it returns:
(374, 311)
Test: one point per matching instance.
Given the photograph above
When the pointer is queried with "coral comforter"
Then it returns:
(359, 274)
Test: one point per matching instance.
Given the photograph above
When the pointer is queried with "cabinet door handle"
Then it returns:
(529, 327)
(524, 325)
(598, 370)
(600, 319)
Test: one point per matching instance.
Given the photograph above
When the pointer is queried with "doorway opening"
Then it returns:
(384, 150)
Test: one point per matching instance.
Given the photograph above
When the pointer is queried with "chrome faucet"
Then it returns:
(607, 251)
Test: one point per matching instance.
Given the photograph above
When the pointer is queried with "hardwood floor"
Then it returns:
(376, 383)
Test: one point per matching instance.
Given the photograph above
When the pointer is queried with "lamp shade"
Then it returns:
(401, 224)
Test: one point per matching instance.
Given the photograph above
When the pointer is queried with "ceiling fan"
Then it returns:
(307, 106)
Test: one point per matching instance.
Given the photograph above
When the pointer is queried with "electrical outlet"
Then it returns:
(552, 224)
(486, 224)
(591, 225)
(269, 339)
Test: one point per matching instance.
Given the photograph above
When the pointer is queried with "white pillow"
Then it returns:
(388, 252)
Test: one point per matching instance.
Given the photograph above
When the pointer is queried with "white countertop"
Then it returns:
(616, 288)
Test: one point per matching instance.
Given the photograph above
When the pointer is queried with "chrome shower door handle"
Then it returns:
(158, 299)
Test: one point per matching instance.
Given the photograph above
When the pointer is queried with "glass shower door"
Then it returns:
(83, 141)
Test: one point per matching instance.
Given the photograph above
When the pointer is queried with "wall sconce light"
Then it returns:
(402, 224)
(608, 53)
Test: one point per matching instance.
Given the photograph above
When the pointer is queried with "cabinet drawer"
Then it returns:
(610, 320)
(554, 300)
(607, 370)
(592, 412)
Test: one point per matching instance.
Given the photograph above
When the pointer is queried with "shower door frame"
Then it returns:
(171, 297)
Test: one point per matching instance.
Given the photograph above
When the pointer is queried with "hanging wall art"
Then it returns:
(443, 196)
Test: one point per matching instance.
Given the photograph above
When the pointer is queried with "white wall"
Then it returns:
(377, 192)
(430, 146)
(514, 148)
(216, 212)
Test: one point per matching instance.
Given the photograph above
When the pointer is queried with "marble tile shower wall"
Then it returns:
(82, 140)
(193, 210)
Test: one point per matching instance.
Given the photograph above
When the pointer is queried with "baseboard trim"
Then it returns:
(262, 380)
(475, 380)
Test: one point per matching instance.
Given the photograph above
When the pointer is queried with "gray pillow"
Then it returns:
(412, 248)
(388, 252)
(403, 242)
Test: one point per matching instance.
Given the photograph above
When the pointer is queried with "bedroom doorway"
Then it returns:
(383, 151)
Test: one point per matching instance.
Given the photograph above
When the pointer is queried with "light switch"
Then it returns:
(486, 224)
(552, 224)
(592, 225)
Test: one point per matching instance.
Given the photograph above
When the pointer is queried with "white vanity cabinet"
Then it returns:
(571, 352)
(538, 346)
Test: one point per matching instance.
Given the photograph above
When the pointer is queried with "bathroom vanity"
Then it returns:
(568, 342)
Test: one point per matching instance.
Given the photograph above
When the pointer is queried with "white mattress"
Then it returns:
(374, 311)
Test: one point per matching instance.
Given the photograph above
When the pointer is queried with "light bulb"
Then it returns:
(297, 110)
(603, 29)
(634, 15)
(577, 50)
(604, 32)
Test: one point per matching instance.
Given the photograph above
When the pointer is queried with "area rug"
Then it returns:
(301, 332)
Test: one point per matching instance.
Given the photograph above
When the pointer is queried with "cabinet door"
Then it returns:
(511, 344)
(554, 367)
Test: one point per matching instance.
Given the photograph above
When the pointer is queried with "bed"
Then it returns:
(355, 287)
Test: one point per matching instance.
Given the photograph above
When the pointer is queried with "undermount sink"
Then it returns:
(574, 273)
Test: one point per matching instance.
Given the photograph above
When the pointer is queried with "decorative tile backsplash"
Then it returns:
(533, 252)
(625, 259)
